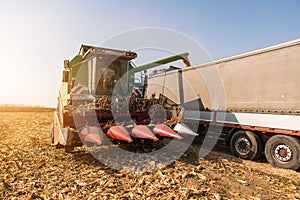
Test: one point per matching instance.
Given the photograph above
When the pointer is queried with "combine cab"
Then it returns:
(99, 99)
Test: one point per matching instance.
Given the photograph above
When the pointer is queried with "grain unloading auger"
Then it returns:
(99, 96)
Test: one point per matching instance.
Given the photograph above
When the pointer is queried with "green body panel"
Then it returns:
(74, 68)
(75, 65)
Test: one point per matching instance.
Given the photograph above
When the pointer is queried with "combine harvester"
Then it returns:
(260, 90)
(100, 94)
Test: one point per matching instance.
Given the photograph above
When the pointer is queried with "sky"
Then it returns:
(36, 36)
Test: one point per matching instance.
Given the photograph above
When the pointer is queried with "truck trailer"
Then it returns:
(254, 97)
(252, 100)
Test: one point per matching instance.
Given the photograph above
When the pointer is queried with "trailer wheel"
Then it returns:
(283, 151)
(246, 145)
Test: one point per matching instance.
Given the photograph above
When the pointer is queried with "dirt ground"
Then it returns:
(32, 169)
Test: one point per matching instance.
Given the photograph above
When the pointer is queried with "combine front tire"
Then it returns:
(283, 151)
(246, 145)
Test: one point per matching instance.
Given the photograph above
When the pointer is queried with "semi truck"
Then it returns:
(252, 100)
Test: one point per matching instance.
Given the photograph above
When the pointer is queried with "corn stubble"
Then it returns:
(32, 169)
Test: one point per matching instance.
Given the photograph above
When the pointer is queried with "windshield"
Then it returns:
(108, 76)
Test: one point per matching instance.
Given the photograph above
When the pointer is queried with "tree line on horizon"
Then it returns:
(24, 108)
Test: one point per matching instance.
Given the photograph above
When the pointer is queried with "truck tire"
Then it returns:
(283, 151)
(246, 145)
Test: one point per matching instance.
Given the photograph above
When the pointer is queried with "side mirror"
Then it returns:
(66, 64)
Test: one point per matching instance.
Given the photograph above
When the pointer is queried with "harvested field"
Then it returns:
(32, 169)
(23, 108)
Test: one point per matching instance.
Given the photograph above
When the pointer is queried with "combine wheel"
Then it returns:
(283, 151)
(246, 145)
